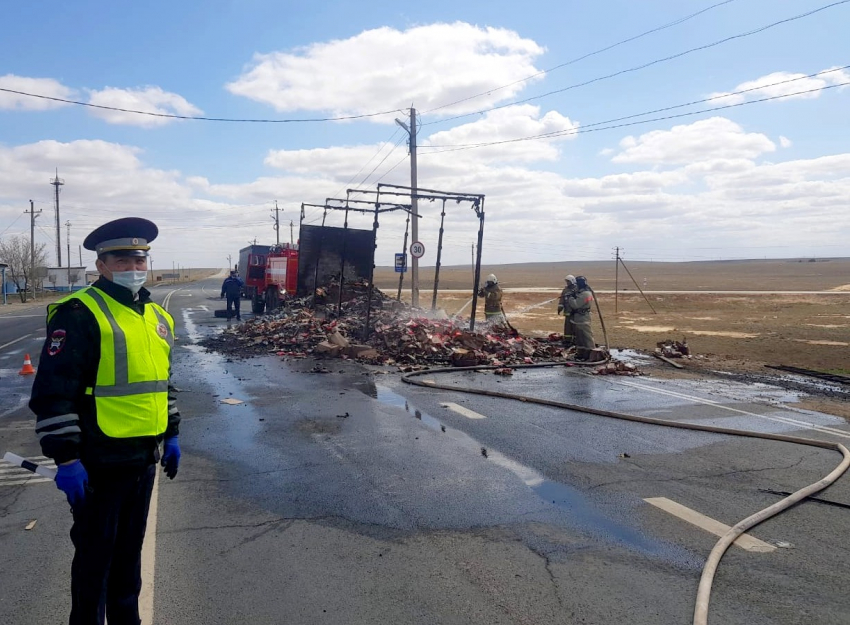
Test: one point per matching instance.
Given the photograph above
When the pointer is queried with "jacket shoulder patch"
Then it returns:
(56, 342)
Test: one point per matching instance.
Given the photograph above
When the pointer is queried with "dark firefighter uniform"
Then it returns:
(492, 294)
(578, 302)
(102, 396)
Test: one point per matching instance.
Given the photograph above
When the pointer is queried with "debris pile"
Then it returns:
(398, 336)
(616, 367)
(673, 349)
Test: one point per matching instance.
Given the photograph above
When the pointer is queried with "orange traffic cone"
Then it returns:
(27, 369)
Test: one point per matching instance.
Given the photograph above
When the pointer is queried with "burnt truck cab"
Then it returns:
(252, 270)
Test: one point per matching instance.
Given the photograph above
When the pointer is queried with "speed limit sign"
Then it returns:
(417, 249)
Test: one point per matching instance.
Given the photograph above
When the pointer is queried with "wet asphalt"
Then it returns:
(350, 497)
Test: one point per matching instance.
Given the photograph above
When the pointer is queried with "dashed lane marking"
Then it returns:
(17, 340)
(744, 541)
(466, 412)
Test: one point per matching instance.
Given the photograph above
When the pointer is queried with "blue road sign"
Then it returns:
(401, 263)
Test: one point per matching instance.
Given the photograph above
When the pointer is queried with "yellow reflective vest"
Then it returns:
(131, 387)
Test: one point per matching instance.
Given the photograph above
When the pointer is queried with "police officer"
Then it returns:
(492, 294)
(232, 288)
(104, 406)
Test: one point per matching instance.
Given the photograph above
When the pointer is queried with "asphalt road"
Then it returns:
(286, 510)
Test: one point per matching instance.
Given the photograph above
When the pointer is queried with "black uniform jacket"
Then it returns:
(68, 365)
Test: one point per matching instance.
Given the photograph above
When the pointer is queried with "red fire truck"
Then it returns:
(269, 272)
(281, 274)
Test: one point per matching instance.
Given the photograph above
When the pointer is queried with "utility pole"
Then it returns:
(276, 217)
(58, 182)
(291, 233)
(33, 214)
(414, 206)
(616, 277)
(228, 262)
(68, 242)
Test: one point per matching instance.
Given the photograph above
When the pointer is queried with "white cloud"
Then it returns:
(791, 83)
(736, 204)
(40, 86)
(785, 142)
(149, 99)
(706, 139)
(506, 124)
(385, 68)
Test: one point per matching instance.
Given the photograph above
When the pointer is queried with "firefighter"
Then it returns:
(576, 300)
(232, 288)
(492, 294)
(104, 406)
(569, 287)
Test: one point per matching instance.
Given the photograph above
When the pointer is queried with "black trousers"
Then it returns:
(233, 301)
(108, 532)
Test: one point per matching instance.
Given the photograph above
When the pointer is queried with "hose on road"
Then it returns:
(710, 568)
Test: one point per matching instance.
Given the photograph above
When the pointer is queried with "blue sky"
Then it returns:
(767, 179)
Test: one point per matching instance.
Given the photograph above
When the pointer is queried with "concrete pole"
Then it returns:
(414, 208)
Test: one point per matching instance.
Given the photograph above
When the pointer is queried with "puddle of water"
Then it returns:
(386, 396)
(242, 421)
(569, 500)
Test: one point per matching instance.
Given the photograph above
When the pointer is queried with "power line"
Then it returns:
(380, 149)
(649, 64)
(675, 106)
(398, 143)
(583, 57)
(201, 118)
(635, 123)
(11, 224)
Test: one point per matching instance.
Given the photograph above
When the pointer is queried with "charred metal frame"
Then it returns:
(378, 207)
(477, 203)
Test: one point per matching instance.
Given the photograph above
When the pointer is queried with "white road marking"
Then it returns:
(149, 558)
(19, 316)
(167, 300)
(466, 412)
(744, 541)
(709, 402)
(16, 340)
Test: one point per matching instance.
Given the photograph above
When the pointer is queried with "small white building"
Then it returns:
(65, 278)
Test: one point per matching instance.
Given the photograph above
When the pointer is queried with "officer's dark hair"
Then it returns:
(581, 282)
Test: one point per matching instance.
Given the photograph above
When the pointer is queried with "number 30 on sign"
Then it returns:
(417, 249)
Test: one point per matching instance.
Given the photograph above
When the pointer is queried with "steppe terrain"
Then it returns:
(737, 316)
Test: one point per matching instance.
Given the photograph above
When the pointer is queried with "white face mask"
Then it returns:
(131, 280)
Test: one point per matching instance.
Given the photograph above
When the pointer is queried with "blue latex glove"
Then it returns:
(171, 456)
(73, 480)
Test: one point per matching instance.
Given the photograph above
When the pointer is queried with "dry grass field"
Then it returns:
(735, 330)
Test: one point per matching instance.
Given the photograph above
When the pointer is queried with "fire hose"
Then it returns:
(713, 560)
